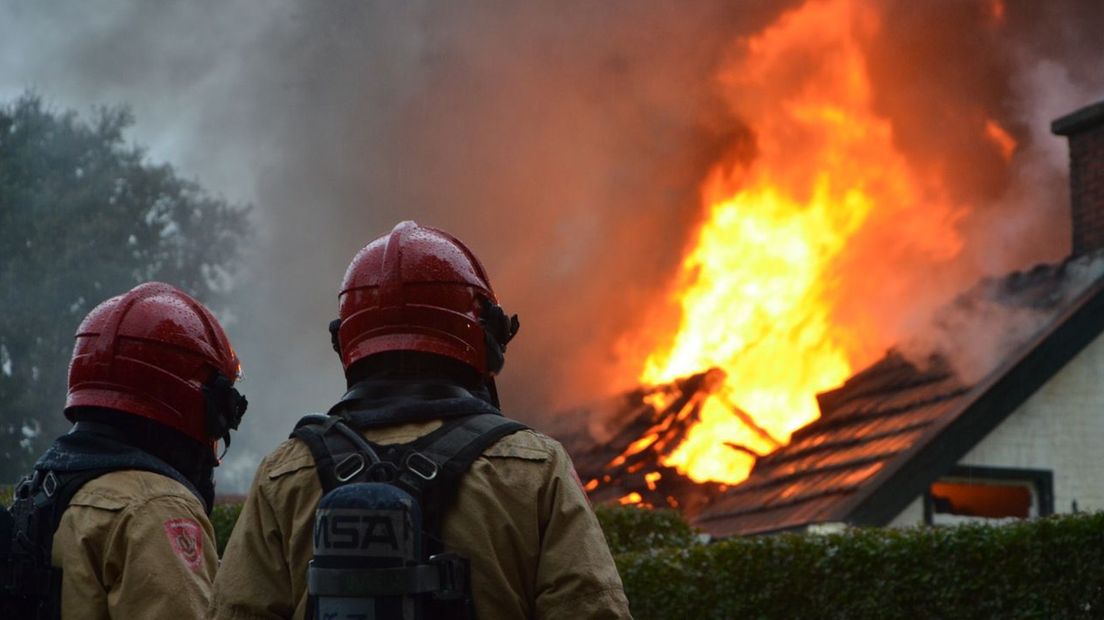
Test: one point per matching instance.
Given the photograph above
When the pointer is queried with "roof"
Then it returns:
(625, 457)
(897, 426)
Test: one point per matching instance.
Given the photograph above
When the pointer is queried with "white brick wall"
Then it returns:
(1059, 428)
(913, 515)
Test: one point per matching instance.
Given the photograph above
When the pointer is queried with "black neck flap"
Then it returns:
(86, 448)
(383, 402)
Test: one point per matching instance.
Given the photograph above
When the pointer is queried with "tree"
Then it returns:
(84, 217)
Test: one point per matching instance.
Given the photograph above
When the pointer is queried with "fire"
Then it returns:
(996, 10)
(631, 498)
(760, 288)
(1001, 138)
(637, 447)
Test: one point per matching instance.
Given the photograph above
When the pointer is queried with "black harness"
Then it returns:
(430, 469)
(30, 586)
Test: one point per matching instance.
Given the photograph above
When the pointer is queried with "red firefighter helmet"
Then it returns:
(153, 352)
(420, 289)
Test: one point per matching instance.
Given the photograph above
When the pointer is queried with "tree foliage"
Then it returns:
(83, 217)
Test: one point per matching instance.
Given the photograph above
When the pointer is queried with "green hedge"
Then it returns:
(1048, 568)
(630, 529)
(223, 518)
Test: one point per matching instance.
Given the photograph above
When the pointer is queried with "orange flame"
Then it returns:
(996, 10)
(1001, 138)
(631, 498)
(760, 287)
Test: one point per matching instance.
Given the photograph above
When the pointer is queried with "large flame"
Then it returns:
(761, 287)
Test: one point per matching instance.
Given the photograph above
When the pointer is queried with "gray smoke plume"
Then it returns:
(563, 141)
(990, 322)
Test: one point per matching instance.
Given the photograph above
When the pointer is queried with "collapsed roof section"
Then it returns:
(622, 461)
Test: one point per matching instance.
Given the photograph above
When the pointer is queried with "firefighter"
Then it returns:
(421, 337)
(130, 487)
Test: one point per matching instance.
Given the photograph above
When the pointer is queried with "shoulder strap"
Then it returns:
(40, 501)
(456, 445)
(430, 468)
(68, 485)
(31, 586)
(434, 464)
(311, 430)
(340, 454)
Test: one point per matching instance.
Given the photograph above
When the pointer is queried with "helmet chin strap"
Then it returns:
(335, 342)
(225, 408)
(498, 330)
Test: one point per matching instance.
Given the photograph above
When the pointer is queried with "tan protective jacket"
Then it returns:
(520, 516)
(135, 544)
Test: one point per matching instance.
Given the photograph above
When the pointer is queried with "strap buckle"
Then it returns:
(452, 571)
(26, 486)
(420, 465)
(350, 467)
(49, 484)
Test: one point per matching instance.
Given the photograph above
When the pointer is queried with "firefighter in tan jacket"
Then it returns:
(135, 544)
(125, 494)
(421, 336)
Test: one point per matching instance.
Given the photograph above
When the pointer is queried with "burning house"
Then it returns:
(901, 443)
(910, 439)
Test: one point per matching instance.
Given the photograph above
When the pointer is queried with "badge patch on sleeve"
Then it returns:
(186, 540)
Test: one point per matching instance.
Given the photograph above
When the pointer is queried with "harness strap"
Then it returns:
(452, 449)
(30, 586)
(340, 454)
(443, 576)
(429, 468)
(65, 487)
(311, 430)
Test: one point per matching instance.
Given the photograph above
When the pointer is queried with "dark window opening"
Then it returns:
(969, 493)
(982, 499)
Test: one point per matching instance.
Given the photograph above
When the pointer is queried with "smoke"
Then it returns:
(983, 326)
(564, 142)
(1014, 72)
(941, 73)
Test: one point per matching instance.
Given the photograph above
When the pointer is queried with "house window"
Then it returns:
(986, 494)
